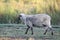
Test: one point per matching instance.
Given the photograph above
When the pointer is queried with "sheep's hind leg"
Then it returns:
(32, 30)
(45, 31)
(51, 31)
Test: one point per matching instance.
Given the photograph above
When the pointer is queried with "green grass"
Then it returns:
(19, 30)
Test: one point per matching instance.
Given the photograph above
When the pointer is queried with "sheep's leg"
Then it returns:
(51, 31)
(32, 30)
(27, 30)
(46, 31)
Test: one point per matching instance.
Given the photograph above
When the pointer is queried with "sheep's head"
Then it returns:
(21, 16)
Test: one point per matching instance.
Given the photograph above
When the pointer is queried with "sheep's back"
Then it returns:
(39, 19)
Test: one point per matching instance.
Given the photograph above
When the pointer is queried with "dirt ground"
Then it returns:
(30, 38)
(10, 38)
(7, 38)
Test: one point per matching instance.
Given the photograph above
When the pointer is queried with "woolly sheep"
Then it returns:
(37, 20)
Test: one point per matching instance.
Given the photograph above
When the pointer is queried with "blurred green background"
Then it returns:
(10, 9)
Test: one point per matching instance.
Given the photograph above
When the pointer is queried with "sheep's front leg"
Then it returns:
(27, 29)
(29, 25)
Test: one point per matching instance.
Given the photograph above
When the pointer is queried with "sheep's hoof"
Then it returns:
(52, 33)
(32, 34)
(25, 33)
(44, 33)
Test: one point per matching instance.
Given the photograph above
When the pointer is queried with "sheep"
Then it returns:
(37, 20)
